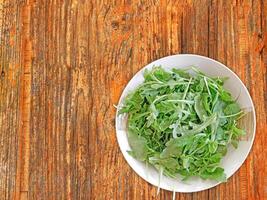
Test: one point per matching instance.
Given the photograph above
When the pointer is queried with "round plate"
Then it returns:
(234, 157)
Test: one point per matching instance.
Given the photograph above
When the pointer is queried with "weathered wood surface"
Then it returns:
(64, 63)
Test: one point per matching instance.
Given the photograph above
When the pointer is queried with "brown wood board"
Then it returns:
(64, 63)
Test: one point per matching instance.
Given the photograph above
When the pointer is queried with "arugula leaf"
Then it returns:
(174, 147)
(181, 73)
(226, 96)
(138, 145)
(238, 132)
(217, 174)
(213, 147)
(232, 108)
(199, 108)
(169, 164)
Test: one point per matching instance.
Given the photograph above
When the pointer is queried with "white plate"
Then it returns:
(234, 157)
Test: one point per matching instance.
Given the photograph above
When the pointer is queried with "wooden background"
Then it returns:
(64, 63)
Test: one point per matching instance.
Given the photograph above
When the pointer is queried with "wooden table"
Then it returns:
(64, 63)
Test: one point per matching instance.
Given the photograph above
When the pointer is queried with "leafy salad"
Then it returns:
(181, 122)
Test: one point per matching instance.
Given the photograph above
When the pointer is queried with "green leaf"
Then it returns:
(215, 158)
(213, 146)
(206, 102)
(166, 107)
(170, 164)
(238, 132)
(175, 146)
(186, 162)
(132, 102)
(157, 74)
(219, 134)
(138, 145)
(218, 107)
(202, 126)
(232, 108)
(201, 112)
(218, 175)
(226, 96)
(222, 150)
(234, 143)
(181, 73)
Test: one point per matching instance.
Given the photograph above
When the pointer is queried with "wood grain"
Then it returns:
(64, 63)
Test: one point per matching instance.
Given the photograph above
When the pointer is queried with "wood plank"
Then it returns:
(25, 104)
(10, 70)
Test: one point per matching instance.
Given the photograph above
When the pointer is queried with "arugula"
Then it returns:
(182, 123)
